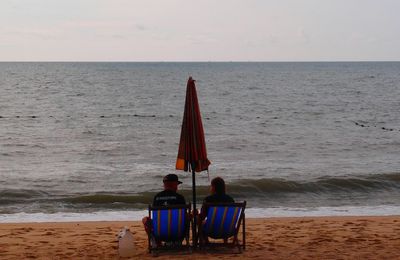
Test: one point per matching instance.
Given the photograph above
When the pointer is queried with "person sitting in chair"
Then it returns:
(167, 197)
(218, 195)
(218, 192)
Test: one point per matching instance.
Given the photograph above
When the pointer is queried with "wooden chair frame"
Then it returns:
(163, 245)
(241, 223)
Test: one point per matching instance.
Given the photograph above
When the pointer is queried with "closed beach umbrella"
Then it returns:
(192, 153)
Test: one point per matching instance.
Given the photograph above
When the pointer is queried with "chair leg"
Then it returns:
(200, 235)
(235, 240)
(244, 232)
(187, 241)
(240, 248)
(152, 243)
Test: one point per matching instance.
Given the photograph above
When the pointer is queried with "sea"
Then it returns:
(92, 141)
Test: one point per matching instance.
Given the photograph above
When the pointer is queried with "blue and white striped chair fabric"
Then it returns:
(169, 224)
(222, 221)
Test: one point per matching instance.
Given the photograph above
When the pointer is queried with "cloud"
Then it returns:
(141, 27)
(220, 30)
(201, 38)
(26, 33)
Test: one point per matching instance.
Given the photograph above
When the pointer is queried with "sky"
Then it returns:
(193, 30)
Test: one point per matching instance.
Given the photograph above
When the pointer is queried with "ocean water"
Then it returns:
(289, 138)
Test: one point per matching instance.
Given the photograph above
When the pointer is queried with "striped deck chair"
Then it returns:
(169, 227)
(223, 221)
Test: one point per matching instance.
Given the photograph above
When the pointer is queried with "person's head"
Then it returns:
(171, 182)
(218, 185)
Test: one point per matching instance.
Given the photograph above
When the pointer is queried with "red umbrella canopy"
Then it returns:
(192, 145)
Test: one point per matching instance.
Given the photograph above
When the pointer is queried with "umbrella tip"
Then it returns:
(190, 79)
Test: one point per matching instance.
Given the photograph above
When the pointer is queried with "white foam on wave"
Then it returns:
(250, 213)
(323, 211)
(73, 217)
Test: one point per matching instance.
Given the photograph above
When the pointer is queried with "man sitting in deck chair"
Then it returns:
(220, 217)
(168, 218)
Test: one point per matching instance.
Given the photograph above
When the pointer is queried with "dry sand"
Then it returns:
(273, 238)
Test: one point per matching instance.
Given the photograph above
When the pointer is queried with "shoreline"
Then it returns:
(136, 215)
(335, 237)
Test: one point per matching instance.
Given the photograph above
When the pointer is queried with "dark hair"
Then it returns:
(219, 185)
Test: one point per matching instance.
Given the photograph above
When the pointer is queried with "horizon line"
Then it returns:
(168, 61)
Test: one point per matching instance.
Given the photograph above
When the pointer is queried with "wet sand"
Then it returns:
(268, 238)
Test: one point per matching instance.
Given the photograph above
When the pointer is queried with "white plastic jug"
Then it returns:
(126, 246)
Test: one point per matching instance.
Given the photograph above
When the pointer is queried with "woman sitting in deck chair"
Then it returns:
(220, 217)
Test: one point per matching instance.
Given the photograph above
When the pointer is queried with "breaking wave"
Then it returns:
(244, 189)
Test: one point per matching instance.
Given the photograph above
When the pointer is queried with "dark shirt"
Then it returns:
(215, 198)
(219, 198)
(168, 197)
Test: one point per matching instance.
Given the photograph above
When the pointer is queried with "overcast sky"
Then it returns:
(199, 30)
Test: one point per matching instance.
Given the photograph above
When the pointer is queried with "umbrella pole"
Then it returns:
(194, 207)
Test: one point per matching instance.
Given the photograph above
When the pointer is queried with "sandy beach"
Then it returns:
(267, 238)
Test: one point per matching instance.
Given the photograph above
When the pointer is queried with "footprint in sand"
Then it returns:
(352, 240)
(305, 221)
(28, 229)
